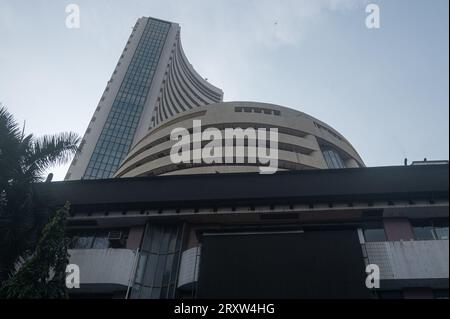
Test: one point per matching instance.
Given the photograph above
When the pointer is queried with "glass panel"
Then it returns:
(146, 293)
(164, 293)
(442, 233)
(156, 240)
(84, 242)
(160, 270)
(173, 241)
(174, 269)
(171, 292)
(101, 243)
(337, 160)
(165, 240)
(141, 268)
(129, 101)
(374, 235)
(326, 155)
(178, 245)
(167, 270)
(333, 159)
(150, 269)
(136, 291)
(424, 233)
(156, 293)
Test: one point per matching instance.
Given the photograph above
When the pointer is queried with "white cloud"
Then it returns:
(223, 38)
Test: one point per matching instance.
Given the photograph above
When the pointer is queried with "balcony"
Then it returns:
(103, 270)
(189, 267)
(411, 263)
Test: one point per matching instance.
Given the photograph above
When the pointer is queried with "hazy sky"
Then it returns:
(386, 90)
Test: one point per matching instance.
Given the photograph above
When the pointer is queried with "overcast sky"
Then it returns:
(386, 90)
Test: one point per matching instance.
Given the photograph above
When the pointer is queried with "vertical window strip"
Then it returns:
(122, 121)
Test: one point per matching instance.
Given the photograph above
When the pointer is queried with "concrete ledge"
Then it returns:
(410, 260)
(104, 270)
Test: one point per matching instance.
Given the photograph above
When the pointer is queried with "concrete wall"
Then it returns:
(398, 229)
(410, 259)
(299, 144)
(189, 267)
(104, 267)
(135, 237)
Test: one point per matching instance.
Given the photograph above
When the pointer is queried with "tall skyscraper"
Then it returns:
(240, 235)
(152, 82)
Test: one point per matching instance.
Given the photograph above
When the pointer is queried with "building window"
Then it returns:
(374, 232)
(319, 126)
(123, 118)
(333, 159)
(95, 239)
(82, 242)
(257, 110)
(441, 233)
(441, 229)
(157, 267)
(430, 229)
(423, 233)
(374, 235)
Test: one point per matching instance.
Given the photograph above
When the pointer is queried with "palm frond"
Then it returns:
(51, 150)
(9, 128)
(10, 146)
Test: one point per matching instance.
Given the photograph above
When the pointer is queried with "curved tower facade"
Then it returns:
(154, 90)
(183, 88)
(152, 82)
(303, 141)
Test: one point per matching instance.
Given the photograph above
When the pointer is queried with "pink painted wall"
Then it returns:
(398, 229)
(134, 237)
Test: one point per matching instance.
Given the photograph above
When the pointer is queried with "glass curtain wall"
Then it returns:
(157, 268)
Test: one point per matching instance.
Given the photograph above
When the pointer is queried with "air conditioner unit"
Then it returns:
(115, 235)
